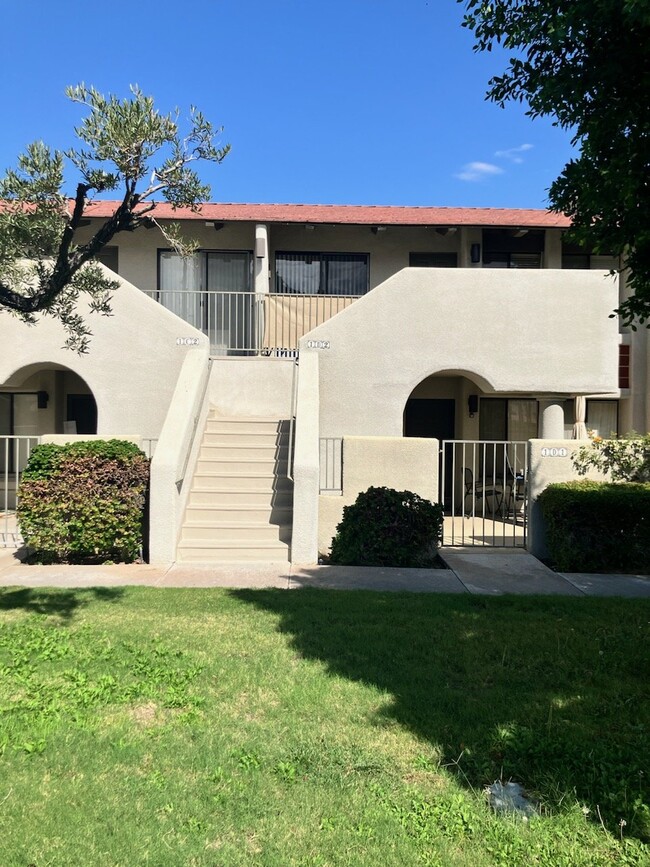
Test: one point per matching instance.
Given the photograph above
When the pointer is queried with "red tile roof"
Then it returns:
(355, 215)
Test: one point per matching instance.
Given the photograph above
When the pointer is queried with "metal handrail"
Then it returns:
(249, 323)
(292, 419)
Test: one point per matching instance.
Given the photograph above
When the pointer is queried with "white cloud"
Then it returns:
(478, 171)
(514, 154)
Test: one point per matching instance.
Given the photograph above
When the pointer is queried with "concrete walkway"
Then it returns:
(471, 570)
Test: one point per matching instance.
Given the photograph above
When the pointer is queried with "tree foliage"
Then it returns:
(125, 145)
(586, 63)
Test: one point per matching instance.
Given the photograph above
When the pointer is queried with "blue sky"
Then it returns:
(326, 101)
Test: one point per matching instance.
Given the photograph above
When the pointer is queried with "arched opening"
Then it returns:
(444, 405)
(46, 399)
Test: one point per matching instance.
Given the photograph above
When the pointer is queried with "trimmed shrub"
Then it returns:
(84, 502)
(598, 526)
(385, 527)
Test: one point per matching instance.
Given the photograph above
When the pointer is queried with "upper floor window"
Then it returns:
(433, 260)
(575, 257)
(110, 257)
(321, 273)
(513, 248)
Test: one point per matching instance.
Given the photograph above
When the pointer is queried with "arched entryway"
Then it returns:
(46, 399)
(482, 470)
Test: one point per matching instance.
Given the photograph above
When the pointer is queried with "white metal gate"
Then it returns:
(483, 486)
(14, 451)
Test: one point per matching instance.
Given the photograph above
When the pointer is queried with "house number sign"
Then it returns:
(187, 341)
(554, 453)
(318, 344)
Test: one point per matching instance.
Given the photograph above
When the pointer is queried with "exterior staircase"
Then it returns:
(240, 504)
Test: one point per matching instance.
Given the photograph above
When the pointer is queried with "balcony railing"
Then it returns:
(249, 323)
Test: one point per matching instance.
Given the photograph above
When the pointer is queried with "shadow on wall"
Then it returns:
(523, 689)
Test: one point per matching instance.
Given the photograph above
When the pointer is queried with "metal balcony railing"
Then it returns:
(249, 323)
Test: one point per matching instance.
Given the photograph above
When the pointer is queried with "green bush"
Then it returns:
(598, 526)
(385, 527)
(84, 502)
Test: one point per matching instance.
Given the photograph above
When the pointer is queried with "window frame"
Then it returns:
(323, 256)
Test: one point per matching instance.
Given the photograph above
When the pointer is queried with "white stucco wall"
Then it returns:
(260, 387)
(524, 332)
(131, 367)
(549, 461)
(404, 464)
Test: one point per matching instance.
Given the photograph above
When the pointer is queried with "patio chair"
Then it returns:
(486, 498)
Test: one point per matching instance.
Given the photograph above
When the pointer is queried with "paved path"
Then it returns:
(471, 570)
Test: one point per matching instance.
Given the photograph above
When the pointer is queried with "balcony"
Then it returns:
(250, 324)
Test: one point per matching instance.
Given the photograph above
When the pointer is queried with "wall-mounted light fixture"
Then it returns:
(446, 230)
(475, 254)
(260, 248)
(211, 224)
(42, 398)
(519, 233)
(472, 404)
(376, 229)
(309, 227)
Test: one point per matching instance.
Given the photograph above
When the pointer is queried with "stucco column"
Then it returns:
(262, 259)
(552, 417)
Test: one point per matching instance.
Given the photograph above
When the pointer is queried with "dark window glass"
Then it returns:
(110, 257)
(321, 273)
(433, 260)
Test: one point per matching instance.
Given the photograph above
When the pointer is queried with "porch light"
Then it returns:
(472, 405)
(446, 230)
(211, 224)
(475, 254)
(376, 229)
(42, 398)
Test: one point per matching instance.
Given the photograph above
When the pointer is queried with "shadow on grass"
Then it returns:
(56, 602)
(550, 692)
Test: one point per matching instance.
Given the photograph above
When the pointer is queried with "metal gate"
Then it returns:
(14, 451)
(484, 490)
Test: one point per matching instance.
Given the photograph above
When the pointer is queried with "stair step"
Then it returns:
(220, 424)
(248, 497)
(241, 481)
(219, 552)
(235, 465)
(240, 438)
(246, 532)
(246, 451)
(266, 514)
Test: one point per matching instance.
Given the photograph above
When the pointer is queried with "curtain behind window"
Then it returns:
(181, 282)
(321, 273)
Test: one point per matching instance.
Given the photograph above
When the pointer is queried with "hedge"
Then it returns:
(598, 526)
(385, 527)
(84, 502)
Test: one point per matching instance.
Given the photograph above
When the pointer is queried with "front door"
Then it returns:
(432, 418)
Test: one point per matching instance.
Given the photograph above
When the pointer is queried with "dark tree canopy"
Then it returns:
(125, 146)
(586, 63)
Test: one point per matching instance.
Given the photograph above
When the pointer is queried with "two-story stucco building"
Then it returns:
(385, 328)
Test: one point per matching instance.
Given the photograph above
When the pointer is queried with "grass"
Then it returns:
(207, 727)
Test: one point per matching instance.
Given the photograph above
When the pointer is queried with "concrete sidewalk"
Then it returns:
(471, 570)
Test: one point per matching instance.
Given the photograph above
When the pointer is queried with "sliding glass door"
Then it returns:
(211, 291)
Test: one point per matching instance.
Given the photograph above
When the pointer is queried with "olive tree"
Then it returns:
(126, 146)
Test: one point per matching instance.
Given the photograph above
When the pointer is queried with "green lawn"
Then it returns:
(208, 727)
